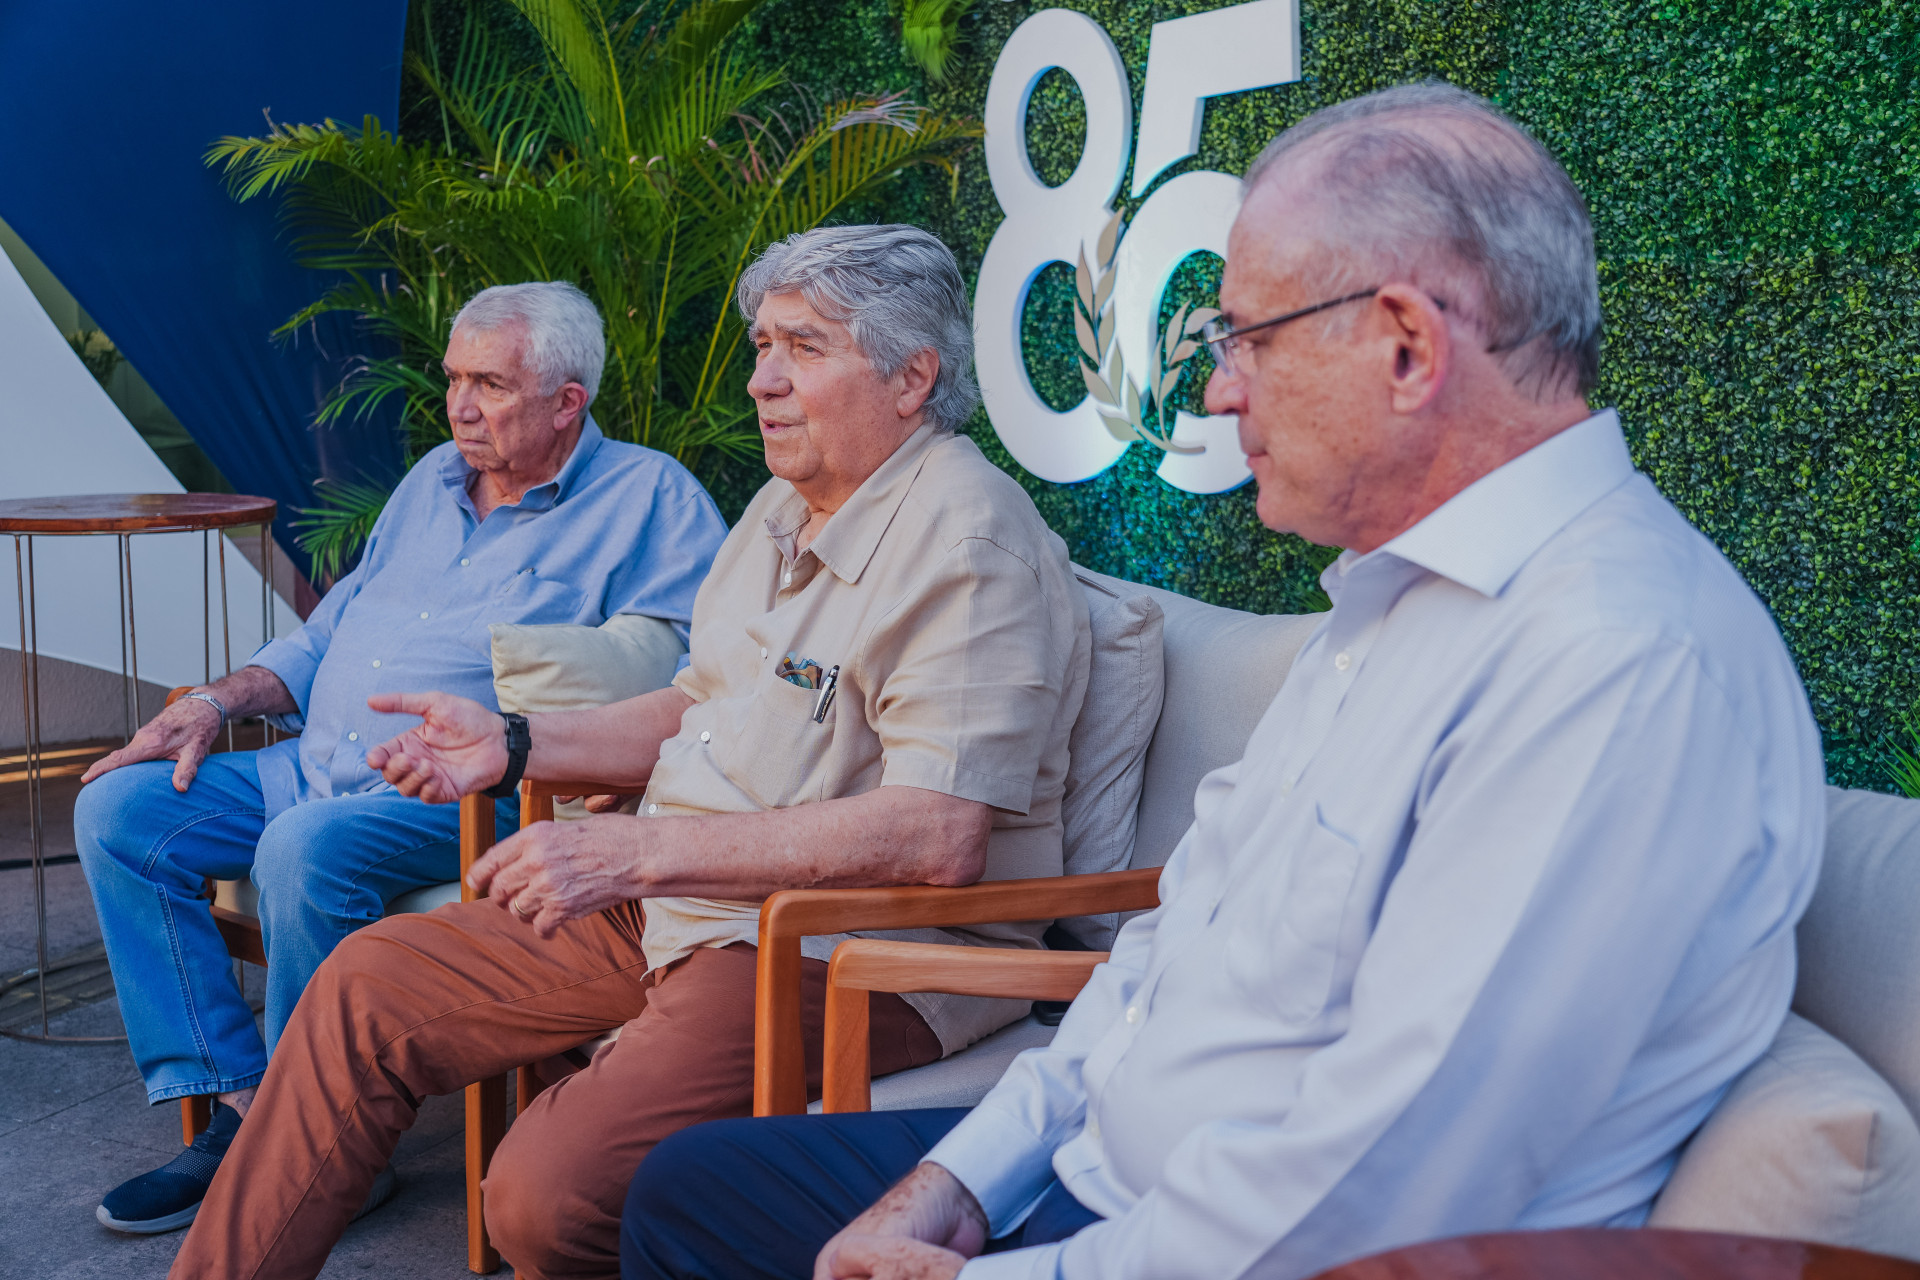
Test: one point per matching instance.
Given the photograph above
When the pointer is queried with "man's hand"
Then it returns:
(558, 871)
(924, 1228)
(184, 732)
(459, 748)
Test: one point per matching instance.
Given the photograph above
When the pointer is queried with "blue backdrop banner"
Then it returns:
(106, 110)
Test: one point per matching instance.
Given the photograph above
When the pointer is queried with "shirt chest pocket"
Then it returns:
(1289, 958)
(774, 751)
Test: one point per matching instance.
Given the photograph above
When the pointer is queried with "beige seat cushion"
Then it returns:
(1809, 1144)
(1223, 668)
(1860, 939)
(1107, 753)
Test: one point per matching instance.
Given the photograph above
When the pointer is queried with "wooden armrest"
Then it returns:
(779, 1070)
(876, 964)
(861, 965)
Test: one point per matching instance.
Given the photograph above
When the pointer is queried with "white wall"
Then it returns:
(60, 434)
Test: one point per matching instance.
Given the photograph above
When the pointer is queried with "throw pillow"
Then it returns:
(1808, 1144)
(1107, 750)
(562, 667)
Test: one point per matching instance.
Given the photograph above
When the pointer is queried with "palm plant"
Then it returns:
(646, 160)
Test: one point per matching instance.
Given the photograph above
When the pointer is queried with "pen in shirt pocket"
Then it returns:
(824, 699)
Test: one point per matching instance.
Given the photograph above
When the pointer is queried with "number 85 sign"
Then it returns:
(1189, 60)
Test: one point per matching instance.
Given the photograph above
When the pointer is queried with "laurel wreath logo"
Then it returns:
(1117, 398)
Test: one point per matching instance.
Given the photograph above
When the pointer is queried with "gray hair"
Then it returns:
(1477, 203)
(897, 289)
(566, 340)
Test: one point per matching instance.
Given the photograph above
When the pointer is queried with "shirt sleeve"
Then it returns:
(672, 556)
(1562, 870)
(1003, 1151)
(976, 666)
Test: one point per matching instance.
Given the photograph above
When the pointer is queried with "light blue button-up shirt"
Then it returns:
(1499, 901)
(620, 529)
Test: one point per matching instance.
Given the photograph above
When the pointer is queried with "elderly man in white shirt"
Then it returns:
(1502, 896)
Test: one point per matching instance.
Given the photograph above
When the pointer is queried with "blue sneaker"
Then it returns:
(168, 1198)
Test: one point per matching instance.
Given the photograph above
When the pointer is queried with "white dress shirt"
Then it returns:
(1499, 901)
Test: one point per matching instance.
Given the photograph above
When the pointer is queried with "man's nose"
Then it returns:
(462, 405)
(1226, 393)
(769, 380)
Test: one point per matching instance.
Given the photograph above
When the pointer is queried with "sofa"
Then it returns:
(1818, 1141)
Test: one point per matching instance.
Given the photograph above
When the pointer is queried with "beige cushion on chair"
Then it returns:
(1809, 1144)
(1223, 668)
(1107, 753)
(566, 668)
(1860, 939)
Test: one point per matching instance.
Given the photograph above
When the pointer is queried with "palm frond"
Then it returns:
(929, 30)
(335, 530)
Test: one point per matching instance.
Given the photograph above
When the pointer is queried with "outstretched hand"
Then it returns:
(924, 1228)
(459, 747)
(184, 732)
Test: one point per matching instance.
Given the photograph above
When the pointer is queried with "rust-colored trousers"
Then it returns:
(427, 1004)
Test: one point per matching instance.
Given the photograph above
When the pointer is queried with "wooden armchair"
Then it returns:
(779, 1069)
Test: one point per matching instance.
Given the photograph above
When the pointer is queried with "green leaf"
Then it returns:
(1119, 428)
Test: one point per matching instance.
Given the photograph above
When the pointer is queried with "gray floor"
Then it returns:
(76, 1121)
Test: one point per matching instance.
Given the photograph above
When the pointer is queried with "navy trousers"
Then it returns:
(754, 1199)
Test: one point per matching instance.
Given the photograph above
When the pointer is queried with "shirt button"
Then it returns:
(1286, 789)
(1133, 1014)
(376, 662)
(652, 809)
(1341, 660)
(1093, 1128)
(705, 736)
(763, 652)
(786, 579)
(423, 615)
(464, 562)
(353, 737)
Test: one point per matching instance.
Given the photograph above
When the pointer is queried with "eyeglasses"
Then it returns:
(1223, 342)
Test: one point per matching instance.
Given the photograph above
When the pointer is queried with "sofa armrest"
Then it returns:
(861, 965)
(779, 1063)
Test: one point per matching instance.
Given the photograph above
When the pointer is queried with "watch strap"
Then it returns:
(519, 744)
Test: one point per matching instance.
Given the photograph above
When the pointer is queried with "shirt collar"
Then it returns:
(1482, 535)
(456, 473)
(853, 532)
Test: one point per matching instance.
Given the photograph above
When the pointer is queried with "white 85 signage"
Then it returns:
(1189, 60)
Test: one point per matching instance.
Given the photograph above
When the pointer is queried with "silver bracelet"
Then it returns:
(211, 701)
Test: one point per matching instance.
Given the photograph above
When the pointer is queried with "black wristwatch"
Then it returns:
(519, 743)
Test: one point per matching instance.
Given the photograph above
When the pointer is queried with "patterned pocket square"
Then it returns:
(795, 669)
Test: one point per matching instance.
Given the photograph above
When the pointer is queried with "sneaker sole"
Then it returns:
(149, 1227)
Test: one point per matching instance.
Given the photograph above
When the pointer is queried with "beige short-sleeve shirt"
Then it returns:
(961, 637)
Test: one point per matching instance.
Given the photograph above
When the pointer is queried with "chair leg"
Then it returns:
(486, 1124)
(527, 1085)
(196, 1113)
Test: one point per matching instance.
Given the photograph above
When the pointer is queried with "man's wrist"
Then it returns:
(205, 698)
(519, 744)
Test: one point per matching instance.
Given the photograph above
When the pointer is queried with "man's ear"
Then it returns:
(570, 407)
(915, 381)
(1421, 353)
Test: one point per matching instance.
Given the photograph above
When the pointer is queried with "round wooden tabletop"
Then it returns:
(1603, 1254)
(133, 513)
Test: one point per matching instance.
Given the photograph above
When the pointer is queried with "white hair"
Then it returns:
(566, 341)
(1476, 203)
(895, 287)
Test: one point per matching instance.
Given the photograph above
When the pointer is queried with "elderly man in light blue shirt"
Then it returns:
(529, 515)
(1501, 897)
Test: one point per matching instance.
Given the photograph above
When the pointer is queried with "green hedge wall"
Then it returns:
(1753, 167)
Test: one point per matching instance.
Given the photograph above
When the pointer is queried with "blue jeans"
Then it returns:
(324, 869)
(759, 1198)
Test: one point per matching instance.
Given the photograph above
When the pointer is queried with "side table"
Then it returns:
(1597, 1253)
(122, 515)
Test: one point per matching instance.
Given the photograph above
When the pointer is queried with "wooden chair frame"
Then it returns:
(864, 965)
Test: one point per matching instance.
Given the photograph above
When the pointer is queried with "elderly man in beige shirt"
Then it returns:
(886, 661)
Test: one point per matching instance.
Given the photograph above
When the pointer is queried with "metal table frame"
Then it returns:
(129, 684)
